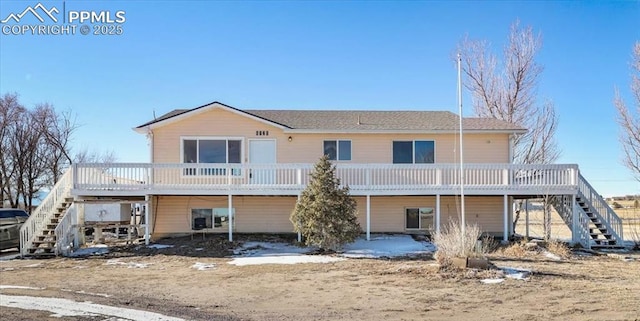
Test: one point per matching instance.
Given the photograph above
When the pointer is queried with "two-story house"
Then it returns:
(220, 169)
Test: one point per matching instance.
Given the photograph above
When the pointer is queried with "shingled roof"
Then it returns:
(360, 120)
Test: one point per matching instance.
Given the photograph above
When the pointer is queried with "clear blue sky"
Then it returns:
(321, 55)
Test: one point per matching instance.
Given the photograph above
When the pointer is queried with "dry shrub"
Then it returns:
(489, 244)
(450, 242)
(518, 250)
(558, 248)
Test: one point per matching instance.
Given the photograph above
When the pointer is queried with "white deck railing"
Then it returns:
(155, 177)
(601, 209)
(67, 232)
(45, 211)
(565, 207)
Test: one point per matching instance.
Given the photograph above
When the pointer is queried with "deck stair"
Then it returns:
(597, 225)
(37, 235)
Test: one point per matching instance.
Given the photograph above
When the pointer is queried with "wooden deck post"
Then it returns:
(505, 232)
(526, 218)
(437, 213)
(147, 200)
(230, 218)
(299, 234)
(368, 217)
(575, 221)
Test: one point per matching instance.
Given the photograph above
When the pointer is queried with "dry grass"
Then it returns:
(452, 242)
(516, 250)
(558, 248)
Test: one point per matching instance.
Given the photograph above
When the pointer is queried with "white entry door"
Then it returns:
(262, 151)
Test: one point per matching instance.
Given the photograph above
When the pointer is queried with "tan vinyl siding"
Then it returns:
(307, 148)
(253, 214)
(486, 211)
(260, 214)
(214, 123)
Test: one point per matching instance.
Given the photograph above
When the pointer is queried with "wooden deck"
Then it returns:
(138, 179)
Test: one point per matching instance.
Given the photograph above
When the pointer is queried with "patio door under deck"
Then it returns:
(419, 218)
(262, 151)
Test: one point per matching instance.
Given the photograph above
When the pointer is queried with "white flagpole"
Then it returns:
(462, 220)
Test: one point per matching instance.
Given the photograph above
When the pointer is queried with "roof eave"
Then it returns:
(155, 124)
(404, 131)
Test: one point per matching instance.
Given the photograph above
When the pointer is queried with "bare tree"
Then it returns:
(10, 111)
(86, 156)
(509, 92)
(507, 89)
(34, 146)
(629, 119)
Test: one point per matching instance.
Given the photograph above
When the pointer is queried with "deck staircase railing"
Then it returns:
(66, 232)
(42, 215)
(563, 204)
(599, 207)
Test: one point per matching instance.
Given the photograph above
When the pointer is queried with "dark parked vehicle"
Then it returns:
(11, 219)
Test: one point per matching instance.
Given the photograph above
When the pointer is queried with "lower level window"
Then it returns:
(419, 218)
(209, 218)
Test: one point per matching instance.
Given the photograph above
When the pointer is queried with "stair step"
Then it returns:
(605, 242)
(40, 242)
(595, 235)
(607, 246)
(41, 250)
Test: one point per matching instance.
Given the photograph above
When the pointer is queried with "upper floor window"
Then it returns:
(414, 152)
(206, 150)
(338, 149)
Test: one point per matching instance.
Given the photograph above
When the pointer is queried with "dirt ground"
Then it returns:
(581, 287)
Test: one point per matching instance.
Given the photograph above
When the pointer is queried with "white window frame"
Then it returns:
(420, 228)
(337, 140)
(413, 149)
(213, 218)
(225, 138)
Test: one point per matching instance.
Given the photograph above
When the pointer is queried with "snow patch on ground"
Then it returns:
(98, 249)
(131, 265)
(552, 256)
(515, 273)
(19, 287)
(69, 308)
(256, 253)
(387, 246)
(203, 266)
(253, 249)
(159, 246)
(87, 293)
(509, 273)
(252, 253)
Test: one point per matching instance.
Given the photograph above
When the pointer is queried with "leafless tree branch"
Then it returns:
(629, 119)
(509, 92)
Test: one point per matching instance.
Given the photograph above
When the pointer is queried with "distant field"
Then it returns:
(630, 217)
